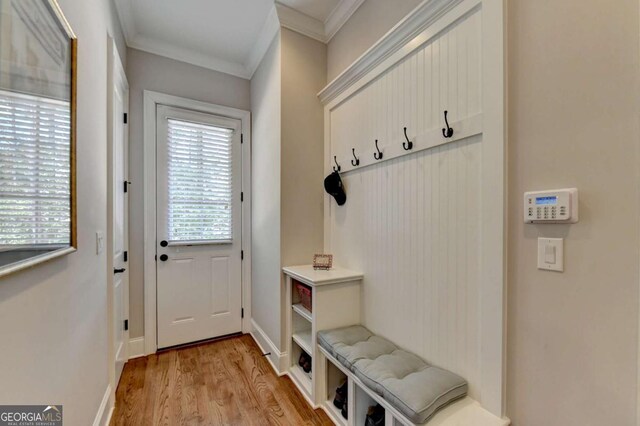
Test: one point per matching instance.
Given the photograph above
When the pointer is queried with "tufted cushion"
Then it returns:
(415, 388)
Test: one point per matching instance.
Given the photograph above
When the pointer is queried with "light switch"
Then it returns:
(551, 254)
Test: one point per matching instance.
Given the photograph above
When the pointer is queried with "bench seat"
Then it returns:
(409, 384)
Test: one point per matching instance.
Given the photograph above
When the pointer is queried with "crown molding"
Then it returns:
(301, 23)
(162, 48)
(314, 28)
(339, 16)
(399, 36)
(280, 15)
(267, 33)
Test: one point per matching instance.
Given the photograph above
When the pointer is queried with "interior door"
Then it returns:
(120, 217)
(198, 211)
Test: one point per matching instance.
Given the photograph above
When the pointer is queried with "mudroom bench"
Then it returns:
(410, 391)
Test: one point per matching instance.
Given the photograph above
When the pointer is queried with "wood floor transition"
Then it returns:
(227, 382)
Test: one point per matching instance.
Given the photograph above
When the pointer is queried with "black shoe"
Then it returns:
(341, 396)
(375, 416)
(345, 410)
(305, 362)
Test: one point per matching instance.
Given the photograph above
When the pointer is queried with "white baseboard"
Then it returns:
(136, 347)
(103, 416)
(277, 359)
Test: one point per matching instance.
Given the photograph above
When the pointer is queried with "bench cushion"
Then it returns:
(415, 388)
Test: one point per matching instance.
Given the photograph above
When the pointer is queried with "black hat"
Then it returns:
(333, 186)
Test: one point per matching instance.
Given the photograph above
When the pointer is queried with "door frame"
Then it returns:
(115, 72)
(151, 101)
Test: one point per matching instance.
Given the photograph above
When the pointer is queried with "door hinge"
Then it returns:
(242, 313)
(241, 197)
(126, 256)
(126, 185)
(241, 254)
(241, 138)
(156, 258)
(126, 325)
(126, 118)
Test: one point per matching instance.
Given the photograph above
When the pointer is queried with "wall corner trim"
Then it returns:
(416, 22)
(136, 347)
(276, 359)
(105, 410)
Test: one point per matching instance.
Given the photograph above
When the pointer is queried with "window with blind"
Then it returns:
(199, 183)
(35, 168)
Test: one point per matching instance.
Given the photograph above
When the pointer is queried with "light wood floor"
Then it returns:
(226, 382)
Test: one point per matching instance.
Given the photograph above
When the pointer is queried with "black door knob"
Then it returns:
(164, 257)
(118, 271)
(163, 243)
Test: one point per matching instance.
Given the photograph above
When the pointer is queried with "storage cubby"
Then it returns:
(302, 378)
(362, 401)
(335, 378)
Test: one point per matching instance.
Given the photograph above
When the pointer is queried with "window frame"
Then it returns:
(73, 232)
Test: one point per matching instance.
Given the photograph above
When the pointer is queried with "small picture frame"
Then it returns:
(322, 261)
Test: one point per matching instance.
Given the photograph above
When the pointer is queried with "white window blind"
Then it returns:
(35, 159)
(199, 182)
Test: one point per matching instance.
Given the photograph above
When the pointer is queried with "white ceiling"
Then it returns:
(230, 36)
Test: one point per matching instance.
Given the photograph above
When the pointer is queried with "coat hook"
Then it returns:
(355, 162)
(337, 167)
(408, 145)
(377, 155)
(448, 132)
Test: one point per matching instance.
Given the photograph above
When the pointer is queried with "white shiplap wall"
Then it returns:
(412, 224)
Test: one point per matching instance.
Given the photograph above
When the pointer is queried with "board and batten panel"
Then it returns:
(412, 224)
(443, 74)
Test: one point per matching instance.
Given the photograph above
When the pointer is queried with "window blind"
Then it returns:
(199, 182)
(35, 168)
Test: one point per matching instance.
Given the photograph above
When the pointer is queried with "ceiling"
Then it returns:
(230, 36)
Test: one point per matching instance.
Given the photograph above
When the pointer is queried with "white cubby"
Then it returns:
(335, 303)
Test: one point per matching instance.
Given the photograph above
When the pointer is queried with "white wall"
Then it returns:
(53, 317)
(147, 71)
(265, 186)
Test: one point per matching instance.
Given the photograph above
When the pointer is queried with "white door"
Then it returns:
(199, 181)
(120, 216)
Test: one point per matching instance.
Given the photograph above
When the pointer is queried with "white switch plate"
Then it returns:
(99, 242)
(551, 254)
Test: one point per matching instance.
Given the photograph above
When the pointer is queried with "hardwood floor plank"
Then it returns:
(227, 382)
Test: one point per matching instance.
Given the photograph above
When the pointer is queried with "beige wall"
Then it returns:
(287, 163)
(53, 317)
(304, 64)
(573, 121)
(146, 71)
(372, 20)
(265, 200)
